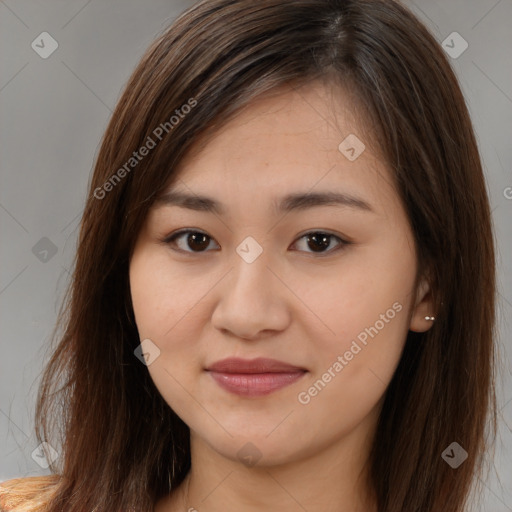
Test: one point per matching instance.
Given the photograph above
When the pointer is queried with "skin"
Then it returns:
(292, 304)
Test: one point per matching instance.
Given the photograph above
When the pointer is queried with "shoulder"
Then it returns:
(27, 493)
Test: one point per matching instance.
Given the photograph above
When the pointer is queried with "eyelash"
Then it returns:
(170, 240)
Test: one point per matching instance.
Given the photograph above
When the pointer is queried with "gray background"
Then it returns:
(53, 114)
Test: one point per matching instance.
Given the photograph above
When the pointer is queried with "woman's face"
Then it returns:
(326, 287)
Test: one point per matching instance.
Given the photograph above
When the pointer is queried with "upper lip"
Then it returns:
(258, 365)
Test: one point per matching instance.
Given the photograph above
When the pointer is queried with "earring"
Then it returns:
(430, 318)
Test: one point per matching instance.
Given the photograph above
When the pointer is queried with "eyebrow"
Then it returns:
(291, 202)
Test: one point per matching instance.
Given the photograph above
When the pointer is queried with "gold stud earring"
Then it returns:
(432, 318)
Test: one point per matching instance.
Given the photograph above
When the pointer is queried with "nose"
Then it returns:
(254, 302)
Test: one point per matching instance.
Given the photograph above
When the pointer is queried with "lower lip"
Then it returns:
(255, 384)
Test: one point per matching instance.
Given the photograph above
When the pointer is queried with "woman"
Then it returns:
(284, 289)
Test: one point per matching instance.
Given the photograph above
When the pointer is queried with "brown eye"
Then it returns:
(194, 241)
(319, 241)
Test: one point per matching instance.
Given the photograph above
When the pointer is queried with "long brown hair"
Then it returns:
(122, 446)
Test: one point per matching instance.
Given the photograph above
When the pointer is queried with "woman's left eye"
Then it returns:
(319, 241)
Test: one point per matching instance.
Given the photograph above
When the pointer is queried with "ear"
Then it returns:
(423, 307)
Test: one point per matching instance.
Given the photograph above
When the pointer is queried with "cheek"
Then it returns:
(164, 311)
(367, 310)
(169, 308)
(367, 297)
(162, 294)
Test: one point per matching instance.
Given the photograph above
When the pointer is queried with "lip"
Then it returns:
(258, 365)
(254, 377)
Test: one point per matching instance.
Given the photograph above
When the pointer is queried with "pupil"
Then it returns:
(323, 243)
(195, 237)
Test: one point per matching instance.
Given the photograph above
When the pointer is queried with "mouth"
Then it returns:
(256, 377)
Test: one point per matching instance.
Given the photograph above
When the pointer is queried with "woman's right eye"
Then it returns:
(196, 240)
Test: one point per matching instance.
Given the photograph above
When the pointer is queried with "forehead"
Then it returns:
(317, 112)
(291, 140)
